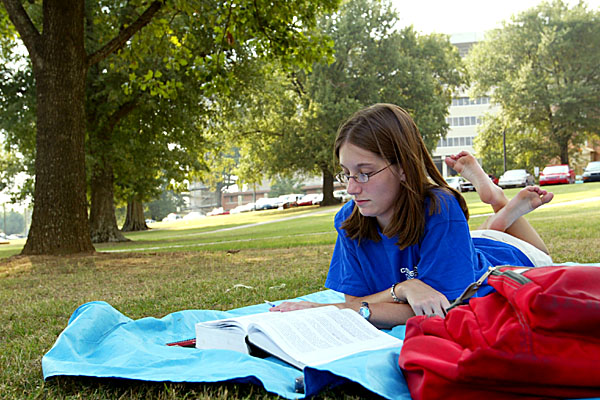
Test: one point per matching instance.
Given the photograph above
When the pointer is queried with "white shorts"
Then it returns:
(537, 257)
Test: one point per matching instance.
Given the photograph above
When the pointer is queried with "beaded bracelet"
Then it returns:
(393, 293)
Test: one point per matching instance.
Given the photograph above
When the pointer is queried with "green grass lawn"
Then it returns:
(196, 265)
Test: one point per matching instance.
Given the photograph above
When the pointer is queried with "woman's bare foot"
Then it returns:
(465, 164)
(527, 200)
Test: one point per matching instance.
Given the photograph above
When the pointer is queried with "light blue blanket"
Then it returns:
(99, 341)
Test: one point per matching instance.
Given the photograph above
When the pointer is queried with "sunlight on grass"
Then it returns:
(220, 221)
(292, 232)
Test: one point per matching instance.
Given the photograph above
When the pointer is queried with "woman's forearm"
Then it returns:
(384, 315)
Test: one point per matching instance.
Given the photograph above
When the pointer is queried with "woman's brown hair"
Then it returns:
(390, 132)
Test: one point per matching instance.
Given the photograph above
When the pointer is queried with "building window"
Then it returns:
(466, 101)
(463, 121)
(460, 141)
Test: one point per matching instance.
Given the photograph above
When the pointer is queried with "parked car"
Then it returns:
(171, 217)
(217, 211)
(290, 200)
(516, 178)
(493, 178)
(267, 203)
(342, 195)
(318, 199)
(459, 183)
(466, 186)
(453, 182)
(242, 208)
(554, 174)
(311, 199)
(193, 215)
(591, 172)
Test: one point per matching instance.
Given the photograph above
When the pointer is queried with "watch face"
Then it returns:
(364, 311)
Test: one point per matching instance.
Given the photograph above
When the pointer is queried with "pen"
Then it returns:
(270, 303)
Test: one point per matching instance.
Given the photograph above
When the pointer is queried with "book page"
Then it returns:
(319, 335)
(227, 334)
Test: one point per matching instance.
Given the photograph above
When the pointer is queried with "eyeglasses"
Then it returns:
(360, 177)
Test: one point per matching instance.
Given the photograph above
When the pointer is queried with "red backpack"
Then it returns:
(537, 335)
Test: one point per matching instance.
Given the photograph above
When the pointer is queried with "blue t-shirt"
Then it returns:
(446, 258)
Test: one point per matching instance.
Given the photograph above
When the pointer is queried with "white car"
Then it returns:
(242, 208)
(516, 178)
(193, 215)
(290, 200)
(459, 184)
(215, 211)
(342, 195)
(171, 217)
(311, 199)
(592, 172)
(267, 203)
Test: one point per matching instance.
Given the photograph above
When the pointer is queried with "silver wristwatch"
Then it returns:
(364, 310)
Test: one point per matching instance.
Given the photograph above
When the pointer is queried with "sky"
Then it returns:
(464, 16)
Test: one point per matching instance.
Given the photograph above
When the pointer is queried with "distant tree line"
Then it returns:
(12, 222)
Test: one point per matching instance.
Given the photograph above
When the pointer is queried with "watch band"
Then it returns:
(393, 293)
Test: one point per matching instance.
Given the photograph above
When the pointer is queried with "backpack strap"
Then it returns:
(510, 272)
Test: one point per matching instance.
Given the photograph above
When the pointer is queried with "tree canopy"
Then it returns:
(292, 127)
(207, 38)
(542, 68)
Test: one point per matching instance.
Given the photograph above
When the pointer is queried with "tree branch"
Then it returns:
(298, 86)
(260, 132)
(225, 33)
(121, 113)
(259, 21)
(28, 32)
(124, 35)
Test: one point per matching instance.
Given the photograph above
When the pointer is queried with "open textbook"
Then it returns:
(305, 337)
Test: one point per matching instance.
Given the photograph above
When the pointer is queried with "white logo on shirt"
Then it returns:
(408, 273)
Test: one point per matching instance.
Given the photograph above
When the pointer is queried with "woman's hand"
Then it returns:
(295, 305)
(423, 299)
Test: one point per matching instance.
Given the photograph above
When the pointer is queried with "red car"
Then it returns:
(493, 178)
(554, 174)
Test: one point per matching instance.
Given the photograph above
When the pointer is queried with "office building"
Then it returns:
(464, 114)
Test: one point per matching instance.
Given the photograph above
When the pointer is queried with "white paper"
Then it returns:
(319, 335)
(305, 337)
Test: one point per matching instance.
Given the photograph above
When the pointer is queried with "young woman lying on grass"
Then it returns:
(404, 246)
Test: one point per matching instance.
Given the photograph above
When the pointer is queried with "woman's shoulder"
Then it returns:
(441, 193)
(445, 203)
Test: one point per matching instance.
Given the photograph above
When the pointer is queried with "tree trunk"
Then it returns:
(219, 194)
(328, 198)
(564, 152)
(135, 217)
(103, 223)
(59, 223)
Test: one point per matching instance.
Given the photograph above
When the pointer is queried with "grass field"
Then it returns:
(194, 265)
